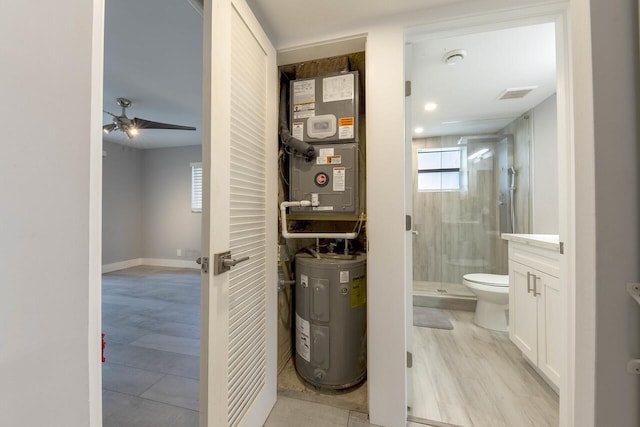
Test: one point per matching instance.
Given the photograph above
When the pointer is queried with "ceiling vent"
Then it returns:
(516, 93)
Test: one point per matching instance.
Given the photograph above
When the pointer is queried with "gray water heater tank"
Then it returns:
(330, 319)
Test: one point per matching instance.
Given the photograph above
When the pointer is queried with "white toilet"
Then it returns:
(492, 290)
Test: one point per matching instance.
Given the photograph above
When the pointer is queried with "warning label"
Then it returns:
(345, 128)
(339, 179)
(303, 337)
(358, 291)
(297, 130)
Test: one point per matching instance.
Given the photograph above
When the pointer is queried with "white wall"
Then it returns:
(121, 203)
(386, 226)
(545, 167)
(167, 221)
(50, 86)
(607, 205)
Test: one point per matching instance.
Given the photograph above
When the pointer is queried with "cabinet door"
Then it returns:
(523, 314)
(549, 325)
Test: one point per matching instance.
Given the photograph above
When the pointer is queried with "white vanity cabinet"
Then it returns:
(535, 310)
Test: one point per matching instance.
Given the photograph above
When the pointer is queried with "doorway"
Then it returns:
(474, 178)
(151, 233)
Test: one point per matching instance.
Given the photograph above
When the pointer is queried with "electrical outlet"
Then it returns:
(179, 252)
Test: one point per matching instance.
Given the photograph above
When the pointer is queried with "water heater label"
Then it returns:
(358, 291)
(344, 276)
(303, 341)
(338, 88)
(339, 179)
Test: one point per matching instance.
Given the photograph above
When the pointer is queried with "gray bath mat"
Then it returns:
(430, 318)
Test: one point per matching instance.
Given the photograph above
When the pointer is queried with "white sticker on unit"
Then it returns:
(345, 132)
(339, 179)
(297, 130)
(304, 92)
(326, 152)
(322, 208)
(338, 88)
(305, 114)
(321, 160)
(303, 338)
(344, 276)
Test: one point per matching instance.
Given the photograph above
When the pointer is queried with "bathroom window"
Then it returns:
(440, 169)
(196, 187)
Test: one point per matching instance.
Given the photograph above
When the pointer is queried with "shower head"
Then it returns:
(512, 174)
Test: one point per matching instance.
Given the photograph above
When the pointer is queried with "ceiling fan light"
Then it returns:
(133, 131)
(109, 128)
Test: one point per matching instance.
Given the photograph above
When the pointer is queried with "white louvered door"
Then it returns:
(239, 215)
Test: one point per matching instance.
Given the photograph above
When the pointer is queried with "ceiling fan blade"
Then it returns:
(148, 124)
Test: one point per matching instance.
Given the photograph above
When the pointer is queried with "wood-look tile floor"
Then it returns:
(474, 377)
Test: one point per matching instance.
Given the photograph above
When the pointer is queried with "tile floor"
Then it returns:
(151, 321)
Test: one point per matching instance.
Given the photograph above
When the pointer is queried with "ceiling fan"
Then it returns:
(132, 126)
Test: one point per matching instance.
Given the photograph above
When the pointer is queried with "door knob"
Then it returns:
(223, 262)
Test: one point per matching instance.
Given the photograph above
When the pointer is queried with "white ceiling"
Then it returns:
(288, 21)
(468, 92)
(153, 56)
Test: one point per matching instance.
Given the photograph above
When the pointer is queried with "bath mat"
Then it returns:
(428, 317)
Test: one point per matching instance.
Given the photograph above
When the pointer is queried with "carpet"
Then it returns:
(428, 317)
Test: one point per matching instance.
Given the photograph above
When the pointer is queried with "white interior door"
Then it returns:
(238, 366)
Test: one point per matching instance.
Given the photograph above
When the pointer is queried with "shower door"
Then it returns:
(461, 206)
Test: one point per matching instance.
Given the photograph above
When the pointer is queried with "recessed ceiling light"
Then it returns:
(430, 106)
(418, 130)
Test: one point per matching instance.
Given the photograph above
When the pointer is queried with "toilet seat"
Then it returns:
(497, 280)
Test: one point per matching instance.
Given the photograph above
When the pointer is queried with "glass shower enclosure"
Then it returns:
(465, 197)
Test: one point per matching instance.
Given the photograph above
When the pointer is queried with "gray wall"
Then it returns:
(167, 221)
(614, 25)
(147, 204)
(121, 203)
(545, 168)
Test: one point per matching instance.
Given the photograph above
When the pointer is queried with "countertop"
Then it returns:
(544, 241)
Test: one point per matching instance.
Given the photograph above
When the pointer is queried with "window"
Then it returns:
(196, 187)
(441, 169)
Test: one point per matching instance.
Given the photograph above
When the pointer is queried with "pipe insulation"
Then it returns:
(300, 147)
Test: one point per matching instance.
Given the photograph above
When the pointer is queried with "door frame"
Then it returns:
(557, 14)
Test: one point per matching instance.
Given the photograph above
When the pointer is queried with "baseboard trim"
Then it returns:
(176, 263)
(108, 268)
(155, 262)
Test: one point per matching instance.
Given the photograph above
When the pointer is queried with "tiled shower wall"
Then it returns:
(459, 231)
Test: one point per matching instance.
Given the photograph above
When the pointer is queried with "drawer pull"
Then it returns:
(529, 281)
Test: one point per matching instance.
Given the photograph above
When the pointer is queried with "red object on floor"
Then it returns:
(103, 346)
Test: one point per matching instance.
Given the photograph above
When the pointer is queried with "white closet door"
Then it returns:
(238, 367)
